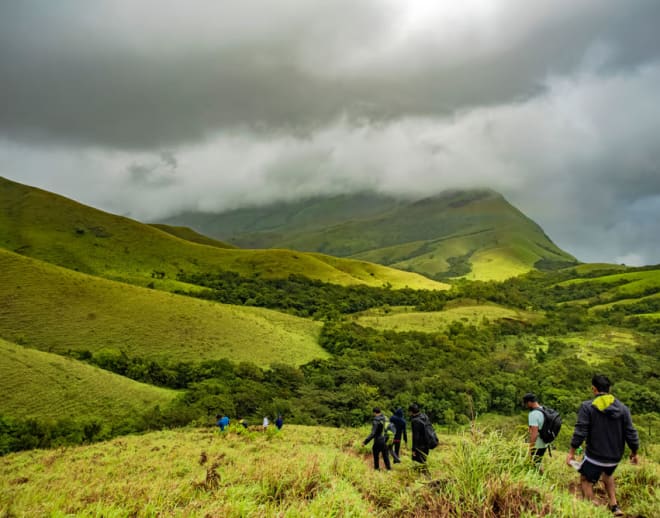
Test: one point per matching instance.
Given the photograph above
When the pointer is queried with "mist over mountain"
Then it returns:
(472, 233)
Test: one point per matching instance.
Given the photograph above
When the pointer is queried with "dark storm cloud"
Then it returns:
(147, 74)
(150, 108)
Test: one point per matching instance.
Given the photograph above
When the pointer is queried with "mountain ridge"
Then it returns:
(476, 234)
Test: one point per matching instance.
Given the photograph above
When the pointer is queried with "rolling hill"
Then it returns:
(52, 228)
(473, 234)
(56, 310)
(36, 384)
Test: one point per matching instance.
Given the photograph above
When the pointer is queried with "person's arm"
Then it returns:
(580, 432)
(631, 436)
(374, 431)
(533, 435)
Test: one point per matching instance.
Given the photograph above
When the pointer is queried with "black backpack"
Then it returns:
(429, 434)
(551, 424)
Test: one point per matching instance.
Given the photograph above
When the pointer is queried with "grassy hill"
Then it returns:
(190, 235)
(54, 229)
(57, 310)
(406, 319)
(472, 234)
(304, 471)
(36, 384)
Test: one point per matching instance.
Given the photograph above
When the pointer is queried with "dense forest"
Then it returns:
(454, 373)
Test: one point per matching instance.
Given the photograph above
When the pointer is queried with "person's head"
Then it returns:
(601, 383)
(530, 400)
(398, 412)
(413, 408)
(376, 410)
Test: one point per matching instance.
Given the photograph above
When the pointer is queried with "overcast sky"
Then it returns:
(147, 108)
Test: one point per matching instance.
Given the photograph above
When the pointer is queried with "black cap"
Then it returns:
(376, 410)
(414, 408)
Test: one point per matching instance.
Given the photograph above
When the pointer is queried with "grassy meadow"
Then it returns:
(304, 471)
(36, 384)
(57, 310)
(406, 319)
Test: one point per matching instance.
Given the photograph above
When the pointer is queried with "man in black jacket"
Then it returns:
(606, 425)
(420, 448)
(380, 445)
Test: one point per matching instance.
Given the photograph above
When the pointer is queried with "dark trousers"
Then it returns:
(380, 447)
(395, 447)
(420, 454)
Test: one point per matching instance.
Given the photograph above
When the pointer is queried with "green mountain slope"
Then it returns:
(36, 384)
(190, 235)
(55, 229)
(54, 309)
(474, 234)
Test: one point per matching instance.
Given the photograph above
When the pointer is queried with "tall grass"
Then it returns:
(299, 472)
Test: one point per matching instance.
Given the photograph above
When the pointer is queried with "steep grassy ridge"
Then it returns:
(36, 384)
(55, 309)
(302, 471)
(476, 234)
(190, 235)
(404, 319)
(49, 227)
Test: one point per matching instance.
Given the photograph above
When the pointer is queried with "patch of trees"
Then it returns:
(306, 297)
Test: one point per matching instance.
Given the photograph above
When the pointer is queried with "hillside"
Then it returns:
(54, 309)
(36, 384)
(473, 234)
(304, 471)
(190, 235)
(55, 229)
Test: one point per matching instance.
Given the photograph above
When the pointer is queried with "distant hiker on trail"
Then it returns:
(606, 426)
(243, 422)
(380, 445)
(223, 422)
(400, 424)
(279, 422)
(418, 420)
(535, 420)
(265, 424)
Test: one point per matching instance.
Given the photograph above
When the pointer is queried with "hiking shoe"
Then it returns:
(616, 510)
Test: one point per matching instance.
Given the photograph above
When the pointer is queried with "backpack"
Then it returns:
(430, 436)
(551, 424)
(388, 431)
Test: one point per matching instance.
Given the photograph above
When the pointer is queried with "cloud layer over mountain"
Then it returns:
(148, 108)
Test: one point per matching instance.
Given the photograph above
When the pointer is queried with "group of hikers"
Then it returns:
(222, 422)
(604, 424)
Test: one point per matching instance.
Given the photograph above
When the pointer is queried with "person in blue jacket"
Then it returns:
(223, 422)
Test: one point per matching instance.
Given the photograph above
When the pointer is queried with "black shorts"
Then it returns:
(537, 454)
(592, 472)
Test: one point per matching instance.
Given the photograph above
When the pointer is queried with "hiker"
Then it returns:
(400, 425)
(418, 420)
(535, 421)
(279, 422)
(606, 426)
(380, 445)
(265, 423)
(223, 422)
(243, 422)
